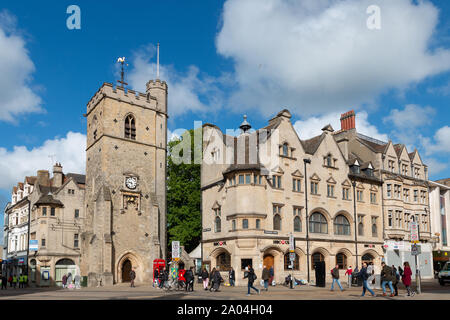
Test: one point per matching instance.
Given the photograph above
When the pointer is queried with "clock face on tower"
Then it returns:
(131, 183)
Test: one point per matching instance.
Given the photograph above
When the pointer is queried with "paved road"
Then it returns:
(430, 291)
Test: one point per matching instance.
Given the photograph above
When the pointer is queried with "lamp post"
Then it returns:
(307, 220)
(355, 220)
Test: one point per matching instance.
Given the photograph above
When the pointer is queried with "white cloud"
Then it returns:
(411, 117)
(441, 142)
(16, 68)
(21, 162)
(312, 126)
(318, 56)
(191, 91)
(434, 166)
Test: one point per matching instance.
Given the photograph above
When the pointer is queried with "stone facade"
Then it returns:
(55, 224)
(125, 183)
(251, 206)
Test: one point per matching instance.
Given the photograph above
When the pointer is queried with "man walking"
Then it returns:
(251, 276)
(335, 276)
(189, 276)
(348, 273)
(386, 278)
(266, 276)
(232, 276)
(4, 282)
(132, 277)
(365, 276)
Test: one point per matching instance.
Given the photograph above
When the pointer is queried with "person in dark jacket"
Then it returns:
(4, 282)
(232, 277)
(205, 278)
(386, 278)
(216, 280)
(335, 276)
(272, 274)
(132, 277)
(266, 276)
(189, 276)
(364, 276)
(156, 278)
(211, 278)
(396, 280)
(251, 276)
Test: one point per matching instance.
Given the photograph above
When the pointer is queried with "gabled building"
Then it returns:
(254, 198)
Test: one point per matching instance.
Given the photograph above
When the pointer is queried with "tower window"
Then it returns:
(130, 128)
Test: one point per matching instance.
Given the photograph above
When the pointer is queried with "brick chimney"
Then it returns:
(57, 175)
(348, 120)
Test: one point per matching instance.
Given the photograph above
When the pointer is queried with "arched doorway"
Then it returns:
(367, 258)
(64, 267)
(126, 269)
(268, 261)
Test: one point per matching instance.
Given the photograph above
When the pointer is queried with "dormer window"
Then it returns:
(355, 167)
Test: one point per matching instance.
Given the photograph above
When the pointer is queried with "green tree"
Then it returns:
(183, 194)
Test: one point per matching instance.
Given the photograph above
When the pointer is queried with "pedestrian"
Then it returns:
(10, 280)
(335, 276)
(69, 281)
(364, 277)
(348, 273)
(406, 278)
(355, 279)
(217, 280)
(181, 278)
(25, 280)
(14, 281)
(205, 278)
(272, 274)
(396, 280)
(161, 277)
(132, 277)
(266, 277)
(64, 281)
(4, 282)
(77, 280)
(400, 270)
(189, 275)
(386, 278)
(211, 275)
(231, 276)
(251, 276)
(155, 278)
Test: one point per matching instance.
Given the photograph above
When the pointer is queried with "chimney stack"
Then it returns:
(57, 175)
(43, 178)
(348, 120)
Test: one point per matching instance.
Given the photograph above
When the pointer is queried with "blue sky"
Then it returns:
(222, 59)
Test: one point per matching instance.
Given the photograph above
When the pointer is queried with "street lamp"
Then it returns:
(355, 220)
(307, 221)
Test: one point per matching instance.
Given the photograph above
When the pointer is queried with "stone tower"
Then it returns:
(125, 183)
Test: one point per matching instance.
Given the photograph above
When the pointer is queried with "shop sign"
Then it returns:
(21, 260)
(220, 243)
(270, 232)
(175, 249)
(414, 232)
(280, 242)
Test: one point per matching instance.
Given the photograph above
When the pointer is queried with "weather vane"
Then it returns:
(122, 74)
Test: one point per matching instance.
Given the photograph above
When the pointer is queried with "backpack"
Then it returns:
(254, 276)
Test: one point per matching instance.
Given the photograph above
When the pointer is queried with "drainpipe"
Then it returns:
(307, 223)
(355, 220)
(28, 237)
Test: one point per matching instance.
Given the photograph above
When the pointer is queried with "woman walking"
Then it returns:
(406, 278)
(205, 278)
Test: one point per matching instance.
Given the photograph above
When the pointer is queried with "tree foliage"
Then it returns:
(183, 196)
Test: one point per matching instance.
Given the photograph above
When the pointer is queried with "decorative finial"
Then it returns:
(122, 74)
(245, 126)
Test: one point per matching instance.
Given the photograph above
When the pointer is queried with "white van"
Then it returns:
(444, 274)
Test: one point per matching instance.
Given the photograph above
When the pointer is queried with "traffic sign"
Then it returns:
(292, 256)
(175, 249)
(415, 250)
(414, 232)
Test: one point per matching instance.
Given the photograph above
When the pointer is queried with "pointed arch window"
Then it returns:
(341, 225)
(217, 225)
(130, 127)
(318, 223)
(277, 222)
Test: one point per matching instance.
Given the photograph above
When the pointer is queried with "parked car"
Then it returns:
(444, 274)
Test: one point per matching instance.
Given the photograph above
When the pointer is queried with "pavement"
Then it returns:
(431, 290)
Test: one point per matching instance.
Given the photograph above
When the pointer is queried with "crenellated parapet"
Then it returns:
(119, 93)
(152, 84)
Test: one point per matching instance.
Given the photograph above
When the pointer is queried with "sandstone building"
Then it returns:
(125, 198)
(52, 211)
(254, 197)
